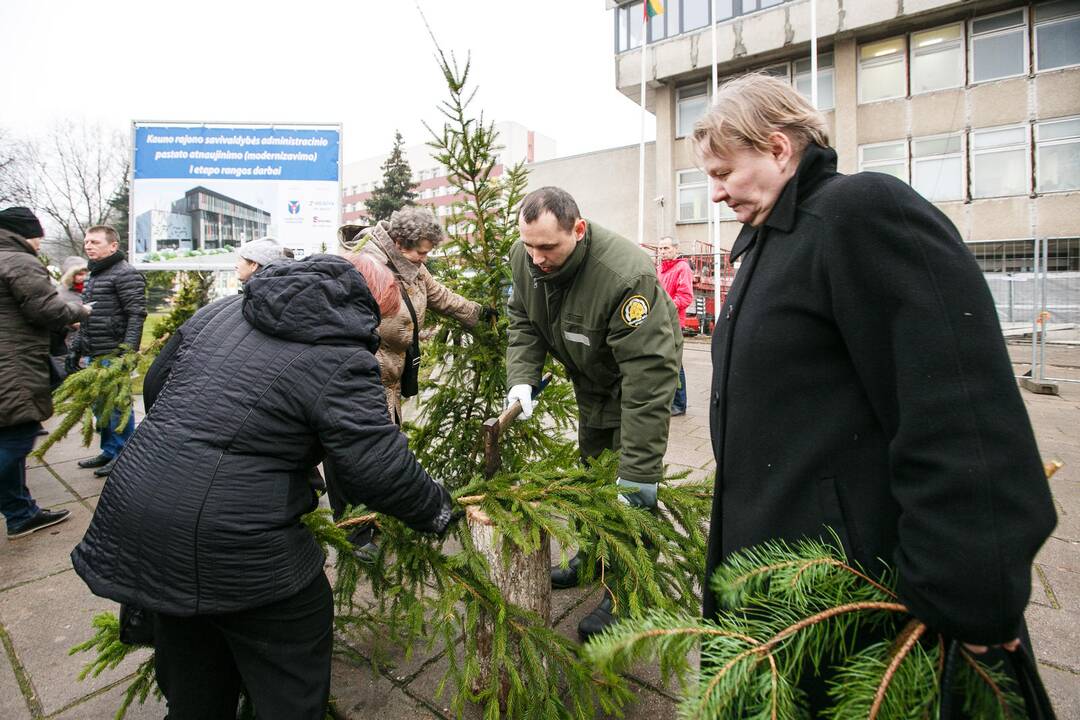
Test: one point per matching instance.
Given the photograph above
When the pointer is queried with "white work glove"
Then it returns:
(522, 394)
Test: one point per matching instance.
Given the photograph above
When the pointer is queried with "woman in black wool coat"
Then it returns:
(200, 519)
(860, 380)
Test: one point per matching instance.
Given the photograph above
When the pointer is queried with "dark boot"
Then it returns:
(598, 620)
(95, 462)
(365, 549)
(562, 578)
(105, 469)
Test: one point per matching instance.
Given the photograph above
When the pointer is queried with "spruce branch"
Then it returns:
(802, 609)
(93, 394)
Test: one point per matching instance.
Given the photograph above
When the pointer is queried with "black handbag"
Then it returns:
(136, 625)
(410, 374)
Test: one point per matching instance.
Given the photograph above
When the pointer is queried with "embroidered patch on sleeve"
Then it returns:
(634, 310)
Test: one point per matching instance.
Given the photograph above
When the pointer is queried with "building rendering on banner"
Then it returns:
(359, 179)
(218, 220)
(976, 104)
(201, 220)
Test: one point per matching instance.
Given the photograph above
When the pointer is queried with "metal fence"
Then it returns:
(1027, 277)
(1036, 289)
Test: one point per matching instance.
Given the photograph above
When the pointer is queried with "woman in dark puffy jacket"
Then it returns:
(200, 519)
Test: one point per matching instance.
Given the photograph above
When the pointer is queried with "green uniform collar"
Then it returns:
(564, 275)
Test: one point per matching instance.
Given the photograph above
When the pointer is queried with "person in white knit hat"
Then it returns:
(253, 255)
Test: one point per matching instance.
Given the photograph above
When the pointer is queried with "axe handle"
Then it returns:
(493, 428)
(510, 414)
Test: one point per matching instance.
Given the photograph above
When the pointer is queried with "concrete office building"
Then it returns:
(975, 103)
(359, 179)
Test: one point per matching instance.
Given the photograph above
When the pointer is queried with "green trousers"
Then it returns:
(593, 441)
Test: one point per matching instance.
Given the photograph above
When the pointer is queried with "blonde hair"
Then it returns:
(748, 109)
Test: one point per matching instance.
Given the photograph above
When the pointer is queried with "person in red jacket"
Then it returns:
(677, 279)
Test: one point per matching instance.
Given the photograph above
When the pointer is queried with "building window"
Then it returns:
(882, 71)
(1057, 27)
(749, 6)
(781, 71)
(1058, 155)
(999, 162)
(695, 14)
(665, 24)
(628, 25)
(888, 157)
(691, 103)
(630, 21)
(937, 59)
(826, 76)
(937, 167)
(999, 46)
(693, 196)
(725, 9)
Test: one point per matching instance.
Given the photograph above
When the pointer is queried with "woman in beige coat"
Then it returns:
(402, 243)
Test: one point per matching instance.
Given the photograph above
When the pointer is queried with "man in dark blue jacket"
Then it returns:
(117, 292)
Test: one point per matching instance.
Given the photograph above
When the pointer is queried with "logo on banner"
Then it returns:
(294, 207)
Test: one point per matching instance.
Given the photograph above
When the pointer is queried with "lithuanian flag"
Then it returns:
(653, 8)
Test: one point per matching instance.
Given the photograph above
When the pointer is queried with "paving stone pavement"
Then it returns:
(45, 608)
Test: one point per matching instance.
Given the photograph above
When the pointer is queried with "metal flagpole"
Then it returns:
(641, 146)
(813, 53)
(714, 210)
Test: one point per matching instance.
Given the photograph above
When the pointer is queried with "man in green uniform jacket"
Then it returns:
(591, 299)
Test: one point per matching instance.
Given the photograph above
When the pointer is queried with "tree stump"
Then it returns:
(522, 579)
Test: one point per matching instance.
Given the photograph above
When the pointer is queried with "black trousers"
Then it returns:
(279, 652)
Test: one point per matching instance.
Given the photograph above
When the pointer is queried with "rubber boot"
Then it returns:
(598, 620)
(562, 578)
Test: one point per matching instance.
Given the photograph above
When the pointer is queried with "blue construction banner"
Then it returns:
(236, 153)
(201, 191)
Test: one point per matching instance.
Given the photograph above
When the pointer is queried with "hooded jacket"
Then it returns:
(202, 512)
(29, 309)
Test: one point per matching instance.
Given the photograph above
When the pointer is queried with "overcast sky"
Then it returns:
(365, 63)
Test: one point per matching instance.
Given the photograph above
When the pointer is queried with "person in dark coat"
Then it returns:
(29, 310)
(200, 520)
(860, 379)
(117, 293)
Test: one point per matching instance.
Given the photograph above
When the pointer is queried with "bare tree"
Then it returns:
(69, 175)
(13, 185)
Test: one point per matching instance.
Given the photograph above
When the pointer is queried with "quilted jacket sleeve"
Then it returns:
(131, 296)
(372, 461)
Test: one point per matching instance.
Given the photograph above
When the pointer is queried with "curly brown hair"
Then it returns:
(411, 226)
